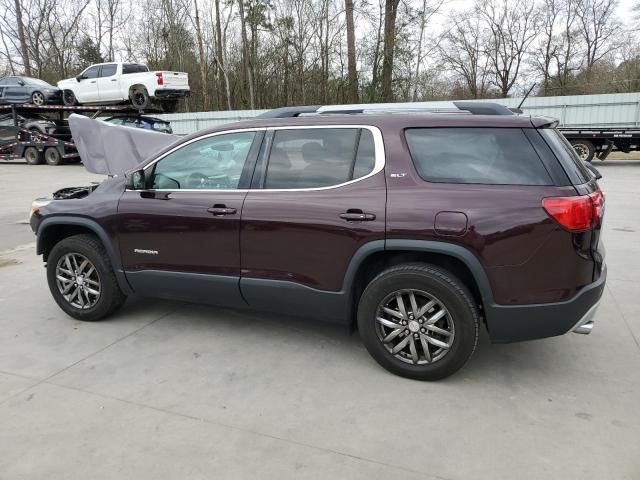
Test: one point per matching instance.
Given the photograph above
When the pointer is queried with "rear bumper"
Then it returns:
(171, 93)
(514, 323)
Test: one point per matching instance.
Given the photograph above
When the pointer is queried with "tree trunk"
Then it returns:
(219, 57)
(390, 13)
(203, 62)
(23, 41)
(351, 53)
(245, 55)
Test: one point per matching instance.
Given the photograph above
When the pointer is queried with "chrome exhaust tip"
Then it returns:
(585, 328)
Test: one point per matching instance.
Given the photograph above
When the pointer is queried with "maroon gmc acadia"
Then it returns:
(413, 228)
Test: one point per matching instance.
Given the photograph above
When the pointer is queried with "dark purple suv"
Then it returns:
(413, 228)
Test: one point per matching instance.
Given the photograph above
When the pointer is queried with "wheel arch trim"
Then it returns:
(427, 246)
(98, 230)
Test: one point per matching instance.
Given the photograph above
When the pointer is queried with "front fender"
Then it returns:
(49, 223)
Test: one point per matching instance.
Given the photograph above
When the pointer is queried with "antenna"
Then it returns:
(527, 95)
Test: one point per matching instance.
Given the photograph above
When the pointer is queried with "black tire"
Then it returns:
(32, 156)
(584, 149)
(52, 156)
(169, 106)
(111, 297)
(69, 98)
(140, 98)
(450, 292)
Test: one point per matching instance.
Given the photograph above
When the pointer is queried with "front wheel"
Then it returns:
(418, 321)
(81, 278)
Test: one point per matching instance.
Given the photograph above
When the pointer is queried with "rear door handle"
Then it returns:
(357, 215)
(219, 210)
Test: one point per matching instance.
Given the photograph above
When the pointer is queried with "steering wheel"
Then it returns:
(196, 180)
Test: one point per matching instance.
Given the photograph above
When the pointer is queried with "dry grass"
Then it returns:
(624, 156)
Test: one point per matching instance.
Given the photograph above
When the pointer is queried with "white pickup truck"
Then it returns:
(121, 82)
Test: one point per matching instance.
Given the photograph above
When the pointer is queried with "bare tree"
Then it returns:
(24, 49)
(547, 45)
(597, 28)
(566, 53)
(426, 13)
(351, 52)
(462, 51)
(511, 31)
(204, 74)
(390, 15)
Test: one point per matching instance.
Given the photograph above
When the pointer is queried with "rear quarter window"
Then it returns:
(494, 156)
(567, 156)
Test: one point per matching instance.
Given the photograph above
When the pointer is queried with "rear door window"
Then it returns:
(319, 157)
(108, 70)
(496, 156)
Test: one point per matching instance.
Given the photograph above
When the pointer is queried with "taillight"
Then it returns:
(576, 213)
(159, 78)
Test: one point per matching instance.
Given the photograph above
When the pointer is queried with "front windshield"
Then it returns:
(36, 81)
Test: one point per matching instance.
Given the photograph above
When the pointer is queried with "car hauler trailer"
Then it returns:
(590, 143)
(54, 145)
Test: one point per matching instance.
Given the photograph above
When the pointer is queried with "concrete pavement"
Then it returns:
(166, 390)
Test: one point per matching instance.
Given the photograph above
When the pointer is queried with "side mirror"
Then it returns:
(79, 77)
(135, 180)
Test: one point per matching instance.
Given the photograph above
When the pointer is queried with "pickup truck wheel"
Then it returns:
(418, 321)
(584, 149)
(52, 156)
(32, 156)
(81, 278)
(37, 98)
(69, 98)
(140, 98)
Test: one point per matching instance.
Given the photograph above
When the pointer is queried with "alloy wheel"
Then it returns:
(415, 327)
(37, 98)
(78, 281)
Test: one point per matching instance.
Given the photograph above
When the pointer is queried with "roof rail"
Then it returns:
(474, 108)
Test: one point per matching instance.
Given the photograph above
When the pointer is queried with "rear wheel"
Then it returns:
(52, 156)
(81, 278)
(584, 149)
(69, 98)
(140, 98)
(32, 156)
(418, 321)
(37, 98)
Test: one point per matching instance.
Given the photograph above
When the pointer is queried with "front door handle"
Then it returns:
(357, 215)
(220, 210)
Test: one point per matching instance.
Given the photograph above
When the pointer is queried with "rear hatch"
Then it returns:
(582, 214)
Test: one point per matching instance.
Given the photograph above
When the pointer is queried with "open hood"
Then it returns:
(110, 149)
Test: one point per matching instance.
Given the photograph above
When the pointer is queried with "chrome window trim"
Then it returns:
(378, 165)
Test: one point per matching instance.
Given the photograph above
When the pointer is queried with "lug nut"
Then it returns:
(423, 330)
(415, 335)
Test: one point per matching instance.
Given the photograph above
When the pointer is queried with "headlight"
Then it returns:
(37, 204)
